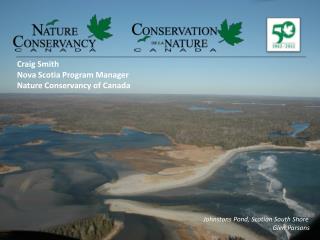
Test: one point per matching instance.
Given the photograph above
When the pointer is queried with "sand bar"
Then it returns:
(4, 169)
(187, 217)
(137, 184)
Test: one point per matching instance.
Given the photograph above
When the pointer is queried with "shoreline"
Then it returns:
(55, 127)
(117, 227)
(143, 183)
(5, 169)
(116, 133)
(194, 219)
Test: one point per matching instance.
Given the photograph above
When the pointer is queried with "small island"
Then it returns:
(4, 169)
(35, 142)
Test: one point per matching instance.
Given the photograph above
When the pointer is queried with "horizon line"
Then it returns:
(163, 56)
(178, 94)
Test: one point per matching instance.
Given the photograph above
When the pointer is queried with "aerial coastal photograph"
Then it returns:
(159, 166)
(170, 120)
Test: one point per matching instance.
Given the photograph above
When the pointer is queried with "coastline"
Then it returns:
(116, 133)
(117, 227)
(5, 169)
(131, 185)
(145, 183)
(170, 178)
(194, 219)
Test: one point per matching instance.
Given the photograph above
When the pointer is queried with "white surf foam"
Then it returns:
(275, 188)
(273, 184)
(264, 167)
(269, 163)
(287, 231)
(299, 210)
(280, 235)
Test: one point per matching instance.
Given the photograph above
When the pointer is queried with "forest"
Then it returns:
(171, 115)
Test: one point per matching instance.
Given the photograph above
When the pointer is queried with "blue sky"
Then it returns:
(235, 76)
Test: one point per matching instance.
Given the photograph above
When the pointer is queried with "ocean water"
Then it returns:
(255, 184)
(265, 183)
(14, 138)
(268, 173)
(273, 175)
(60, 175)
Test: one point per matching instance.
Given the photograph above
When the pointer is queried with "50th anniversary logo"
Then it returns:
(53, 37)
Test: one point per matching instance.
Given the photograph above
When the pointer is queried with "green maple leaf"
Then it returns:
(99, 29)
(230, 33)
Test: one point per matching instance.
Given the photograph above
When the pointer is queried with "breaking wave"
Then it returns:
(263, 183)
(273, 184)
(269, 163)
(265, 167)
(299, 210)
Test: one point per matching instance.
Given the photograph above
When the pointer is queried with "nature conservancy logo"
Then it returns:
(283, 35)
(182, 39)
(53, 37)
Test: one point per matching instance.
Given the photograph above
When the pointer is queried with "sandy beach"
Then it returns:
(185, 176)
(117, 227)
(223, 230)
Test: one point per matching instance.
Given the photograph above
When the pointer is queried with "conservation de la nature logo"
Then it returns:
(52, 37)
(283, 34)
(55, 37)
(178, 39)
